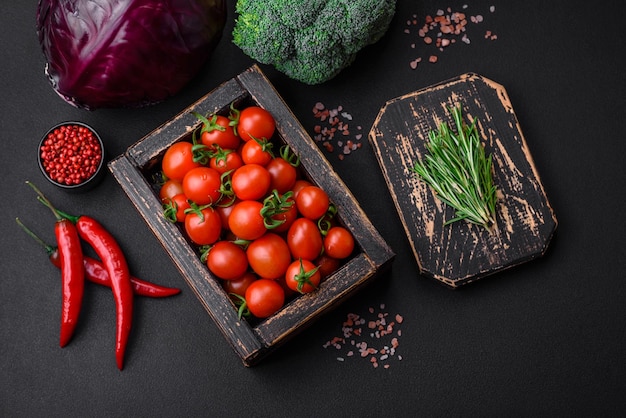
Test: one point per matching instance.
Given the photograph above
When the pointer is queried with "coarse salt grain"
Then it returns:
(337, 121)
(444, 27)
(379, 347)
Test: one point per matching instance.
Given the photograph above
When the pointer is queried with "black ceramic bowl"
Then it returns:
(71, 156)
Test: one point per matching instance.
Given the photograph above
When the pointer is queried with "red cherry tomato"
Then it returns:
(219, 134)
(264, 297)
(174, 208)
(256, 151)
(302, 276)
(178, 160)
(227, 260)
(224, 211)
(282, 174)
(269, 256)
(226, 160)
(170, 189)
(246, 221)
(202, 185)
(304, 239)
(338, 242)
(299, 185)
(255, 122)
(203, 228)
(240, 285)
(250, 182)
(327, 265)
(312, 202)
(288, 291)
(287, 218)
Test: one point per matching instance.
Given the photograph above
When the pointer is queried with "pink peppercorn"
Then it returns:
(70, 154)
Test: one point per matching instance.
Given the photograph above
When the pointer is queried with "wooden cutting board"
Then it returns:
(460, 253)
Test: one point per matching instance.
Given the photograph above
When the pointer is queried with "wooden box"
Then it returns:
(460, 253)
(251, 340)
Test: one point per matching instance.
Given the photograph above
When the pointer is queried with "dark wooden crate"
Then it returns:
(460, 253)
(251, 340)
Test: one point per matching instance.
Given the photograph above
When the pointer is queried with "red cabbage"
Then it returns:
(126, 53)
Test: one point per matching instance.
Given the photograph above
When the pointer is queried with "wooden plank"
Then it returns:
(460, 253)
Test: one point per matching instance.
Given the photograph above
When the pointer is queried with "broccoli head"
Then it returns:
(309, 40)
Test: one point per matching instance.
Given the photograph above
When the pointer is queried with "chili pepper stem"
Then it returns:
(49, 248)
(44, 200)
(60, 213)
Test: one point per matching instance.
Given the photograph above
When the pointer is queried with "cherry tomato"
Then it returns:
(282, 174)
(251, 182)
(202, 185)
(304, 239)
(269, 256)
(327, 265)
(255, 122)
(299, 185)
(224, 211)
(288, 217)
(174, 207)
(264, 297)
(257, 151)
(227, 260)
(312, 202)
(225, 160)
(203, 228)
(219, 134)
(246, 221)
(178, 160)
(240, 285)
(288, 291)
(302, 276)
(338, 242)
(170, 189)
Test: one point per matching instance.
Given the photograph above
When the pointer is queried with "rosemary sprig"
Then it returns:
(457, 168)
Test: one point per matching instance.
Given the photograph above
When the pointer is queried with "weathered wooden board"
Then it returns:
(252, 341)
(459, 253)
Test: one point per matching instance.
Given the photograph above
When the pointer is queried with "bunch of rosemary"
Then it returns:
(459, 171)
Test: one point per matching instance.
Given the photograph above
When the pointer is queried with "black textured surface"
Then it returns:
(544, 338)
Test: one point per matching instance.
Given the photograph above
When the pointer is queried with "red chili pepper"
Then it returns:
(109, 251)
(72, 272)
(96, 273)
(73, 277)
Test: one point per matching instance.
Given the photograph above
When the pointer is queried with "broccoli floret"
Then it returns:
(309, 40)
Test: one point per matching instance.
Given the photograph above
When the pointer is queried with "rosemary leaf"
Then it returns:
(457, 168)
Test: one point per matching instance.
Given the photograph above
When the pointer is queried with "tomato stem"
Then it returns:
(170, 208)
(208, 125)
(324, 223)
(197, 209)
(234, 117)
(304, 277)
(273, 205)
(288, 155)
(241, 304)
